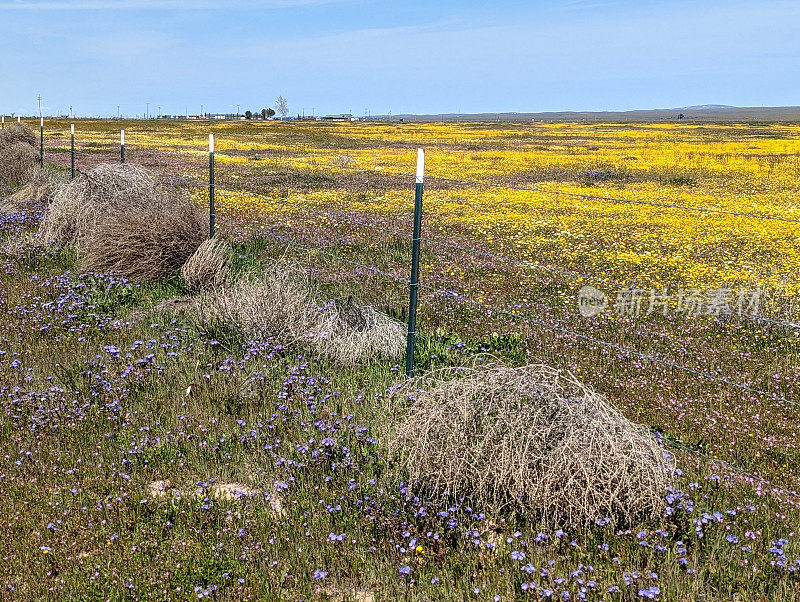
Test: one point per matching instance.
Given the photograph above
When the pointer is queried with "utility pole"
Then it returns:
(39, 98)
(117, 111)
(147, 114)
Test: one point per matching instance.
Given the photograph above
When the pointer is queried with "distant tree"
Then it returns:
(248, 114)
(680, 116)
(270, 113)
(263, 113)
(282, 107)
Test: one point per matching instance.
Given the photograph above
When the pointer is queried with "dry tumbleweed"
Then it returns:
(529, 438)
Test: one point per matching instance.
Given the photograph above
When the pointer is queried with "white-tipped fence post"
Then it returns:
(41, 141)
(19, 119)
(414, 282)
(122, 146)
(3, 126)
(211, 212)
(72, 149)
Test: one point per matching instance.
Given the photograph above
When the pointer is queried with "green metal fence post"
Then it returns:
(72, 149)
(211, 213)
(414, 283)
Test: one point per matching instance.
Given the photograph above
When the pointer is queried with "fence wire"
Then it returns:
(528, 319)
(525, 264)
(473, 252)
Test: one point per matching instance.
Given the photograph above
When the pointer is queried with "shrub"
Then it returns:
(40, 187)
(350, 334)
(527, 439)
(124, 220)
(59, 223)
(16, 133)
(207, 268)
(106, 187)
(279, 303)
(147, 243)
(17, 160)
(276, 303)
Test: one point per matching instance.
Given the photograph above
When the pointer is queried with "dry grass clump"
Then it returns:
(17, 133)
(59, 224)
(122, 219)
(207, 268)
(107, 187)
(147, 243)
(529, 438)
(350, 334)
(276, 303)
(16, 162)
(18, 155)
(280, 304)
(40, 187)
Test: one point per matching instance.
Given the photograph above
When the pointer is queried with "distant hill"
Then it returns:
(698, 113)
(705, 107)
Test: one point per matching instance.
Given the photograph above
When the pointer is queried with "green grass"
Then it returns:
(85, 433)
(81, 521)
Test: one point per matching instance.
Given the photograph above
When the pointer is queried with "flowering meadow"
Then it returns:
(143, 457)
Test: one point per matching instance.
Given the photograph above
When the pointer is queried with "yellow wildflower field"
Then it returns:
(653, 204)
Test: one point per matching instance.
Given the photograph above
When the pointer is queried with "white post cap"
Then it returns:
(122, 137)
(420, 165)
(211, 143)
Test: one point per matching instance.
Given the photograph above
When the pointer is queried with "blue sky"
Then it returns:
(416, 56)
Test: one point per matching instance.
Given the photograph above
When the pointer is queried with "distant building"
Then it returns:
(340, 117)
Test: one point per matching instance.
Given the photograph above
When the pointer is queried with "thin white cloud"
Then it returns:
(68, 5)
(586, 4)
